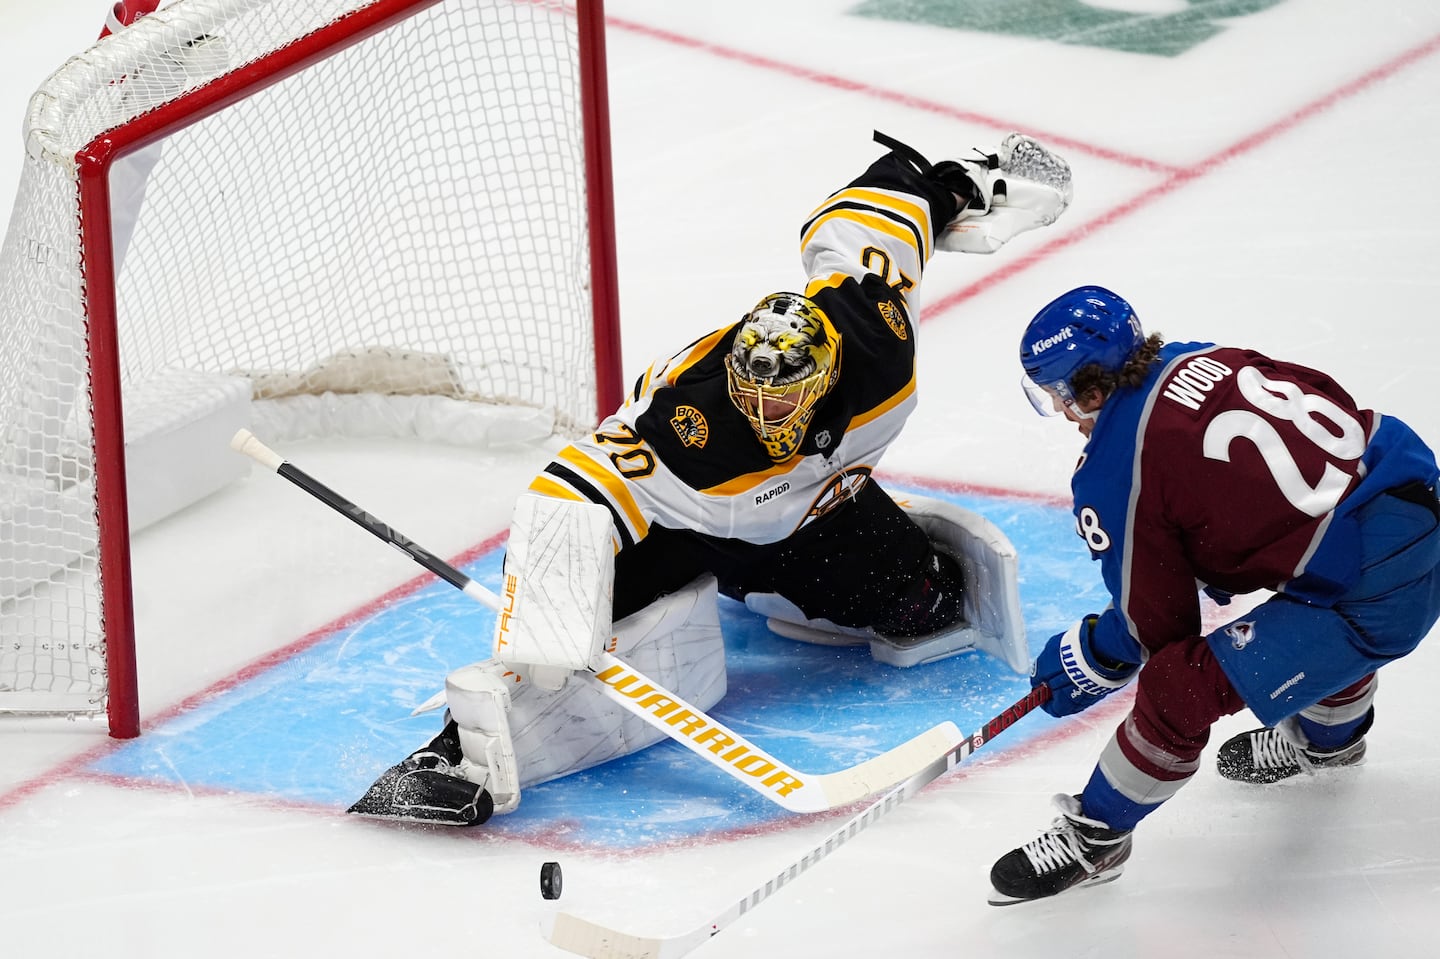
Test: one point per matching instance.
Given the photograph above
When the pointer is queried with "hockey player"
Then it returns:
(743, 464)
(1219, 466)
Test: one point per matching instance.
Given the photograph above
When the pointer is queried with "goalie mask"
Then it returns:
(1088, 326)
(785, 358)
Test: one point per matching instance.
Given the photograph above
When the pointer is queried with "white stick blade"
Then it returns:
(585, 938)
(881, 772)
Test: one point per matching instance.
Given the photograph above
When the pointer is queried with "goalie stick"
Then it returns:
(590, 939)
(683, 722)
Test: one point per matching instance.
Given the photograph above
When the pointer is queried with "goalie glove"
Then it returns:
(968, 179)
(1020, 187)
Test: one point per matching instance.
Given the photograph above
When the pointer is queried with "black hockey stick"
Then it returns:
(586, 938)
(245, 442)
(782, 784)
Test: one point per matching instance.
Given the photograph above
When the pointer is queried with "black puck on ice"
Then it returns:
(551, 881)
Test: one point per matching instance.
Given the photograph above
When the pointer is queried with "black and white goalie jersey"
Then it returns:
(681, 455)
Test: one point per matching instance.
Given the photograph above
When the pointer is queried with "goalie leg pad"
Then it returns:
(479, 700)
(676, 641)
(786, 619)
(504, 731)
(992, 621)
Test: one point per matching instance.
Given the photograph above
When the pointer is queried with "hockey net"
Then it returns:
(309, 217)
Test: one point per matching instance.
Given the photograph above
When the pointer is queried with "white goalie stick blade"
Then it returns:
(595, 941)
(687, 724)
(721, 746)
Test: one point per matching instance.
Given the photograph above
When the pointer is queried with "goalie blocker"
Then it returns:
(559, 582)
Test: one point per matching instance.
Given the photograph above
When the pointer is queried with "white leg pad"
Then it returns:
(992, 585)
(479, 700)
(675, 641)
(993, 622)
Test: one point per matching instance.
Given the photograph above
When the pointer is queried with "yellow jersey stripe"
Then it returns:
(869, 416)
(547, 485)
(914, 214)
(751, 480)
(819, 283)
(874, 222)
(697, 352)
(914, 211)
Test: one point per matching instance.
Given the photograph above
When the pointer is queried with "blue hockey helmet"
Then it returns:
(1088, 325)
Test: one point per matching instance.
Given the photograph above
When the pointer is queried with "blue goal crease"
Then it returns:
(320, 726)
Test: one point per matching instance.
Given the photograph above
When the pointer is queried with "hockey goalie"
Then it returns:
(743, 465)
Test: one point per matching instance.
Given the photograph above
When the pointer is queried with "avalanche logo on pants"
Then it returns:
(1241, 634)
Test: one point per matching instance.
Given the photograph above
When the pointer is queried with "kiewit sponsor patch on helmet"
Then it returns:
(689, 424)
(1040, 346)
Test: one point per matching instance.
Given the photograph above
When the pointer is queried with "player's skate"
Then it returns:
(428, 787)
(1268, 755)
(1074, 852)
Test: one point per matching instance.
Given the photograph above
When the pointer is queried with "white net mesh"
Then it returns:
(406, 216)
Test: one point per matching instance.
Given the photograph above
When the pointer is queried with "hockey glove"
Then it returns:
(1021, 187)
(969, 179)
(1074, 672)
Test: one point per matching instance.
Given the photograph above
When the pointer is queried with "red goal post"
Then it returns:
(314, 216)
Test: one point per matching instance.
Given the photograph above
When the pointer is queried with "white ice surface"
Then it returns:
(1274, 188)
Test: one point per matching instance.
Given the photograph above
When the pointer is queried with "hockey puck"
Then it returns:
(551, 881)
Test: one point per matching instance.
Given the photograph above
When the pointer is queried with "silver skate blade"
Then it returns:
(998, 898)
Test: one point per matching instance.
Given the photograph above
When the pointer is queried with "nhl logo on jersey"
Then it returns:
(690, 426)
(1241, 634)
(894, 318)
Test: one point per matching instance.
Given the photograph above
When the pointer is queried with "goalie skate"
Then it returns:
(427, 788)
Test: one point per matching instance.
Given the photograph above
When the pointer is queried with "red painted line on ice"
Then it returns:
(1174, 177)
(907, 100)
(976, 489)
(1182, 177)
